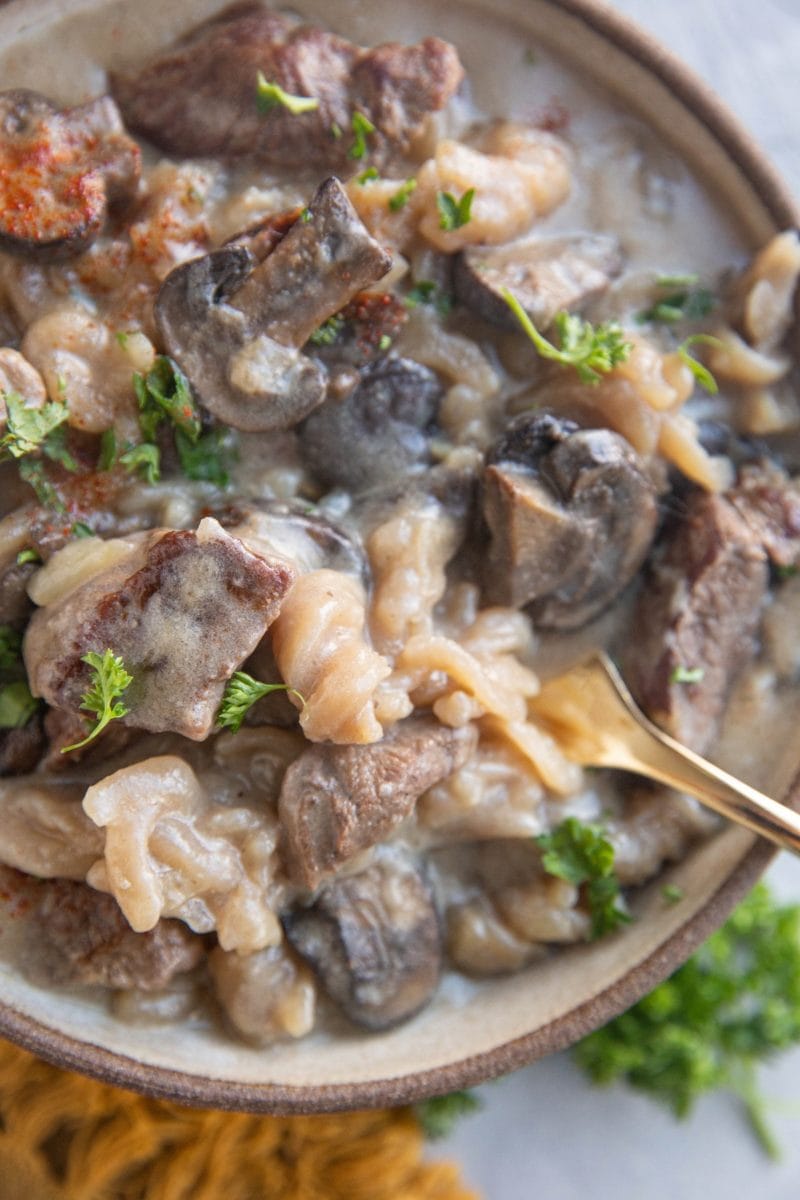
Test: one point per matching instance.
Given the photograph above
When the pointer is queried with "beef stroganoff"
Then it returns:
(340, 409)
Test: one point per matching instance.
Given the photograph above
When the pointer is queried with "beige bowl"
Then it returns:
(470, 1032)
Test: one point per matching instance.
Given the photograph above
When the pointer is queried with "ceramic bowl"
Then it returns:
(470, 1032)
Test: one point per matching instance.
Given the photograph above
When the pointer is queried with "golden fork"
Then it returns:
(598, 724)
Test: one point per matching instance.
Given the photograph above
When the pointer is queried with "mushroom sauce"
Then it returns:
(348, 395)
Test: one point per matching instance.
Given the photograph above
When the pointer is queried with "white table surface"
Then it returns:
(544, 1132)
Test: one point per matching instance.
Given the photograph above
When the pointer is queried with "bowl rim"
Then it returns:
(202, 1091)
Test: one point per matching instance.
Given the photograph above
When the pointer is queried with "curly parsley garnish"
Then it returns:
(593, 350)
(453, 214)
(362, 127)
(241, 693)
(164, 394)
(439, 1114)
(328, 331)
(29, 429)
(271, 95)
(110, 681)
(583, 856)
(402, 195)
(144, 458)
(732, 1006)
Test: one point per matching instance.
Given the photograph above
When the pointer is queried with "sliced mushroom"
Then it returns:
(374, 941)
(547, 276)
(572, 515)
(235, 326)
(338, 800)
(183, 610)
(379, 432)
(61, 172)
(300, 534)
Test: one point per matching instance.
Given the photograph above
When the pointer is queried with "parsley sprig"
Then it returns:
(400, 198)
(30, 429)
(593, 350)
(439, 1114)
(241, 693)
(109, 682)
(271, 95)
(453, 214)
(581, 854)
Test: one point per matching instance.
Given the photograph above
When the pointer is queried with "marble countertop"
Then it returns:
(545, 1131)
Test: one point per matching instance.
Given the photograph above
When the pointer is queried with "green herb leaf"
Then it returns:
(144, 458)
(593, 350)
(164, 394)
(241, 693)
(271, 95)
(81, 530)
(583, 856)
(33, 472)
(27, 429)
(681, 674)
(362, 127)
(454, 213)
(368, 176)
(733, 1005)
(17, 705)
(401, 196)
(439, 1114)
(206, 460)
(109, 682)
(427, 292)
(328, 332)
(675, 281)
(336, 130)
(29, 555)
(672, 893)
(787, 570)
(305, 216)
(701, 373)
(108, 450)
(688, 304)
(384, 343)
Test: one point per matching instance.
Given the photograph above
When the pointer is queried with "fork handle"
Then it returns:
(661, 758)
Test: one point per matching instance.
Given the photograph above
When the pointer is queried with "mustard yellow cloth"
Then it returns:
(69, 1138)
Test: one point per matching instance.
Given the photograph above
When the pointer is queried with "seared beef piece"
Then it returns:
(769, 501)
(200, 97)
(60, 172)
(21, 749)
(183, 611)
(338, 800)
(64, 729)
(379, 432)
(86, 941)
(236, 326)
(699, 610)
(547, 276)
(374, 941)
(571, 514)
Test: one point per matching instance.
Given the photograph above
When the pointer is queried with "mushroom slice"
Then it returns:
(60, 172)
(374, 941)
(338, 800)
(236, 326)
(547, 276)
(572, 515)
(379, 432)
(183, 610)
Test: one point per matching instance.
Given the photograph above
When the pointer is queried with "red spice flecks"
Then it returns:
(554, 118)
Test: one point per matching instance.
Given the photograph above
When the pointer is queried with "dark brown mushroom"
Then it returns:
(572, 515)
(547, 276)
(236, 326)
(183, 610)
(21, 748)
(374, 941)
(697, 618)
(377, 433)
(84, 940)
(338, 800)
(60, 172)
(199, 98)
(300, 534)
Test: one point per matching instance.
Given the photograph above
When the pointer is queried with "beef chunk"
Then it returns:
(86, 941)
(699, 610)
(338, 800)
(200, 97)
(183, 611)
(373, 939)
(769, 501)
(21, 749)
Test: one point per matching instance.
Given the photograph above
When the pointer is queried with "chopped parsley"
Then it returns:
(271, 95)
(439, 1114)
(682, 674)
(384, 343)
(33, 472)
(732, 1006)
(164, 394)
(306, 216)
(31, 429)
(28, 555)
(206, 460)
(241, 693)
(701, 373)
(672, 893)
(427, 292)
(684, 301)
(336, 130)
(367, 176)
(109, 682)
(582, 855)
(81, 530)
(453, 214)
(362, 127)
(17, 705)
(328, 332)
(401, 196)
(144, 458)
(593, 350)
